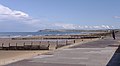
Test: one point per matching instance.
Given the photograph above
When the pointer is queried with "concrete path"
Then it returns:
(98, 53)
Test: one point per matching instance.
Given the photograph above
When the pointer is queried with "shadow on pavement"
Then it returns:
(115, 60)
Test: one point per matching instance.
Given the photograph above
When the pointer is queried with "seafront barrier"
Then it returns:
(8, 44)
(45, 42)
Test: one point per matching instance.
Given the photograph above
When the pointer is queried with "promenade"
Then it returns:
(103, 52)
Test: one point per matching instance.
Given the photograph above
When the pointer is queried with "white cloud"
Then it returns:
(116, 17)
(15, 15)
(86, 26)
(7, 12)
(65, 26)
(74, 26)
(105, 26)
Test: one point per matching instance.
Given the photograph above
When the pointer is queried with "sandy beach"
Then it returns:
(7, 57)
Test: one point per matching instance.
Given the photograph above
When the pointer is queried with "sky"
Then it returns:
(34, 15)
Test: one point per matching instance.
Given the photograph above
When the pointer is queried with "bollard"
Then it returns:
(2, 45)
(30, 47)
(16, 47)
(48, 45)
(74, 41)
(39, 44)
(82, 39)
(66, 42)
(16, 44)
(9, 46)
(24, 45)
(56, 44)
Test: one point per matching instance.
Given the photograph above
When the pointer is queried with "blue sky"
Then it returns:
(33, 15)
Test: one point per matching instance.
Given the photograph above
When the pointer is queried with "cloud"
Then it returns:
(116, 17)
(74, 26)
(7, 12)
(65, 26)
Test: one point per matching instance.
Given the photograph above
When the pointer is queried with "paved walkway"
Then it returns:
(98, 53)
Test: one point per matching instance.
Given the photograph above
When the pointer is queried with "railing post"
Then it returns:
(56, 44)
(66, 42)
(16, 46)
(74, 41)
(48, 45)
(9, 46)
(31, 45)
(82, 39)
(39, 45)
(24, 45)
(2, 45)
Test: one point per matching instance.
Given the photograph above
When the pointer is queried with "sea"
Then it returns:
(27, 34)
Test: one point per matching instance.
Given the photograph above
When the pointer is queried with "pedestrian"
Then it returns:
(113, 34)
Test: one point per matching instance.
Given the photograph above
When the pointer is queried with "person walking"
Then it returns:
(113, 34)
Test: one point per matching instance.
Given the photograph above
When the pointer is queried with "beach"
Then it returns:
(7, 57)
